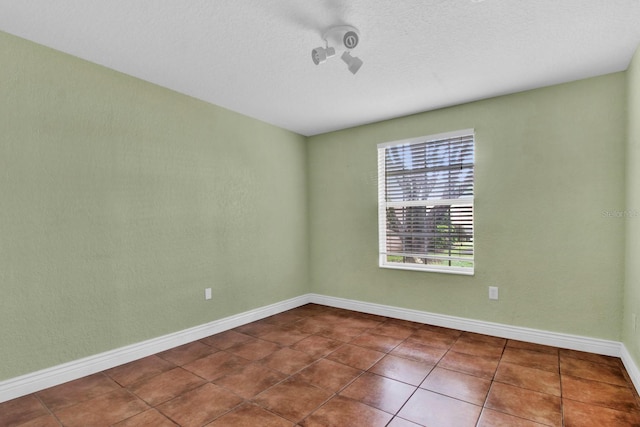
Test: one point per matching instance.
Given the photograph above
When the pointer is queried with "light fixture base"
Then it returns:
(344, 37)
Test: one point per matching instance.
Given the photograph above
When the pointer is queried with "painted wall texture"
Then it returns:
(121, 201)
(549, 170)
(631, 337)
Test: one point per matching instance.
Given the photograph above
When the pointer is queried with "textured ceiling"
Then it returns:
(253, 56)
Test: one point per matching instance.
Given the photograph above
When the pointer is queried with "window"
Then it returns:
(425, 203)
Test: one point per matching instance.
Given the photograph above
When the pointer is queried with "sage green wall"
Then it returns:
(549, 163)
(631, 338)
(121, 201)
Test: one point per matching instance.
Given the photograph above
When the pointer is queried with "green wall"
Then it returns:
(631, 338)
(121, 201)
(549, 164)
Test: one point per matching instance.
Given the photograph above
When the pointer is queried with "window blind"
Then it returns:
(425, 194)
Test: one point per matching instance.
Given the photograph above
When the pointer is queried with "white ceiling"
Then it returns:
(254, 56)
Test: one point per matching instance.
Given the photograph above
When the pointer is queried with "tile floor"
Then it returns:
(321, 366)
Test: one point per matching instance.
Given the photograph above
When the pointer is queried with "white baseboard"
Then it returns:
(572, 342)
(40, 380)
(630, 366)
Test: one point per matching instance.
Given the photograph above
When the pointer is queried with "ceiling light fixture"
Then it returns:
(352, 62)
(343, 37)
(321, 54)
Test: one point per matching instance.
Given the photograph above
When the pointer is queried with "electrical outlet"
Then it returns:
(493, 292)
(207, 293)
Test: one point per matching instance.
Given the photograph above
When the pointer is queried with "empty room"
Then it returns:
(319, 213)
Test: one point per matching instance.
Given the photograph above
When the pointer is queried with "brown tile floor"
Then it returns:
(321, 366)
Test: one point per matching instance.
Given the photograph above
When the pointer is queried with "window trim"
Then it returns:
(383, 204)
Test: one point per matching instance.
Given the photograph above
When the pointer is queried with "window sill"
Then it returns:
(428, 270)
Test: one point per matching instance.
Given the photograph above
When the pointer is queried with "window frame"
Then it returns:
(383, 204)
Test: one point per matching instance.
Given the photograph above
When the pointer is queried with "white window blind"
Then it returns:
(425, 199)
